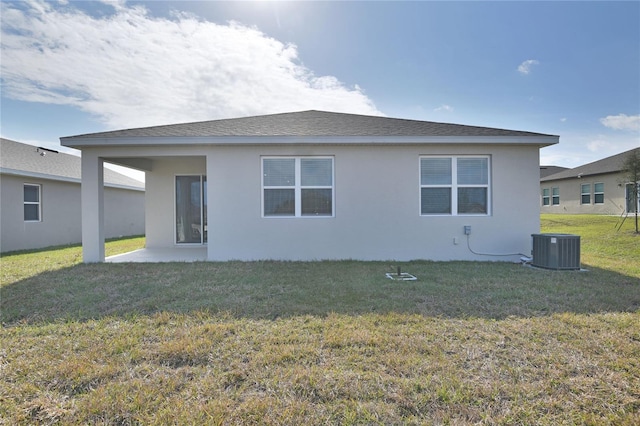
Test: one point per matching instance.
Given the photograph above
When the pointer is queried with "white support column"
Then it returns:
(211, 214)
(92, 207)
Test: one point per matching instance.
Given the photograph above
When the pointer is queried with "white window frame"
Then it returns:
(595, 201)
(555, 196)
(546, 197)
(583, 193)
(32, 203)
(455, 186)
(298, 187)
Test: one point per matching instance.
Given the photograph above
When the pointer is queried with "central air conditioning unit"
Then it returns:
(556, 251)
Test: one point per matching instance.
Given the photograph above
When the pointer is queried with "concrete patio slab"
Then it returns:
(145, 255)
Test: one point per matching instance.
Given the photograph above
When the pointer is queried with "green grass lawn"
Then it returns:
(324, 342)
(602, 244)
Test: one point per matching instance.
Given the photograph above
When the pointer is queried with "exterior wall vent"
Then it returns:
(556, 251)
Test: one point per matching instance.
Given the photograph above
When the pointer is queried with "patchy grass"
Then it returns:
(602, 244)
(18, 265)
(339, 369)
(323, 343)
(269, 290)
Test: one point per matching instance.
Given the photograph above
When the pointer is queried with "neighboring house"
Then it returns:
(40, 199)
(550, 170)
(596, 188)
(319, 185)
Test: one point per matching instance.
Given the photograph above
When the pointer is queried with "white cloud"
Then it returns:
(116, 4)
(598, 144)
(131, 69)
(622, 122)
(444, 107)
(525, 67)
(563, 119)
(576, 149)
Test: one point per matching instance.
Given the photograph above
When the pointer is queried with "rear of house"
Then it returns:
(599, 187)
(316, 185)
(41, 204)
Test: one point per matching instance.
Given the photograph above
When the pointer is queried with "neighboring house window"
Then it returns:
(546, 200)
(555, 196)
(598, 193)
(191, 209)
(585, 193)
(32, 202)
(297, 187)
(454, 185)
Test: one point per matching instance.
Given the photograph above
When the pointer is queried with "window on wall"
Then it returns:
(454, 185)
(32, 202)
(191, 209)
(555, 196)
(546, 200)
(585, 193)
(297, 187)
(598, 193)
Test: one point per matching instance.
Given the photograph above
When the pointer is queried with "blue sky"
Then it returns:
(565, 68)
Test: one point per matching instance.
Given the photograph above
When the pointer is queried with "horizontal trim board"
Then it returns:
(76, 142)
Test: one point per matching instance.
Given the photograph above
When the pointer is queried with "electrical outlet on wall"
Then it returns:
(467, 230)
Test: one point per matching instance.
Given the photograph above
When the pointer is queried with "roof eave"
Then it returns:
(37, 175)
(68, 179)
(80, 142)
(564, 176)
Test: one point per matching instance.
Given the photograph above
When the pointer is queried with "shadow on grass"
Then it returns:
(78, 245)
(268, 290)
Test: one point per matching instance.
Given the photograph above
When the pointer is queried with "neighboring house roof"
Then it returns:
(306, 126)
(26, 160)
(549, 170)
(611, 164)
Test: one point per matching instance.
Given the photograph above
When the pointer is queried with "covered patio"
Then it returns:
(157, 255)
(174, 229)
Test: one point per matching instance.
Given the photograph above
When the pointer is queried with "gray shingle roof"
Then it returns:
(307, 123)
(550, 170)
(611, 164)
(20, 158)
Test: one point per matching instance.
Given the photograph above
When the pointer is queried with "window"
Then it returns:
(555, 196)
(585, 193)
(191, 209)
(32, 204)
(598, 193)
(297, 187)
(454, 185)
(545, 197)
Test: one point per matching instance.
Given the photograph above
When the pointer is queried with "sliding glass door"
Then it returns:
(633, 200)
(191, 209)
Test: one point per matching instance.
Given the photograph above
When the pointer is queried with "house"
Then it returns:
(40, 202)
(317, 185)
(596, 188)
(549, 170)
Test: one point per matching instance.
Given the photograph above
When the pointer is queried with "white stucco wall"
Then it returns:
(61, 214)
(124, 212)
(377, 200)
(377, 213)
(570, 195)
